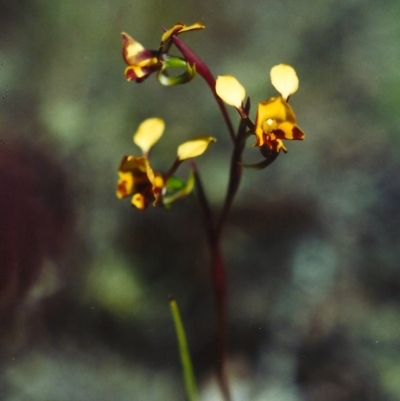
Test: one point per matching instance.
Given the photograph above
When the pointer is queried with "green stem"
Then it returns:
(188, 373)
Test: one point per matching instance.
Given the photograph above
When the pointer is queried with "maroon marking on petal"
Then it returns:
(122, 189)
(130, 75)
(125, 41)
(146, 55)
(297, 134)
(279, 134)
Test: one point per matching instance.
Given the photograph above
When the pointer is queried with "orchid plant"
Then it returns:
(274, 122)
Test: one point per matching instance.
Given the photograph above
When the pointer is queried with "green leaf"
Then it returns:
(188, 373)
(180, 193)
(175, 183)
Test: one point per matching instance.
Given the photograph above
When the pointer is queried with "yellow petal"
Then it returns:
(125, 184)
(195, 147)
(139, 201)
(193, 27)
(277, 146)
(284, 79)
(134, 72)
(148, 133)
(270, 115)
(230, 90)
(178, 28)
(288, 130)
(130, 48)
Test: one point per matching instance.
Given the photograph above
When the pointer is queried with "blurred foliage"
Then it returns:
(311, 245)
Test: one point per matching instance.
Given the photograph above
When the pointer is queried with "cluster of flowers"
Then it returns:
(139, 180)
(275, 120)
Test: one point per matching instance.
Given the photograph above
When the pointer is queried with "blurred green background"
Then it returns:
(311, 244)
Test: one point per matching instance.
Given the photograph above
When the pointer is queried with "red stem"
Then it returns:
(218, 280)
(203, 70)
(214, 231)
(235, 173)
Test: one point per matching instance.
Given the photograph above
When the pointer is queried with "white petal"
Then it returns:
(230, 90)
(284, 79)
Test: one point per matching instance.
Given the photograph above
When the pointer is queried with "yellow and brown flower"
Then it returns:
(275, 120)
(137, 179)
(141, 62)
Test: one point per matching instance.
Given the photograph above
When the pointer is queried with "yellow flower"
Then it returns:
(137, 179)
(141, 62)
(275, 120)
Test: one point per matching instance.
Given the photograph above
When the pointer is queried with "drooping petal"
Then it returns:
(140, 201)
(158, 184)
(148, 133)
(138, 73)
(276, 145)
(230, 90)
(195, 147)
(284, 79)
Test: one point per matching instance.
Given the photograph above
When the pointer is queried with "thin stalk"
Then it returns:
(219, 283)
(214, 230)
(218, 280)
(235, 173)
(194, 60)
